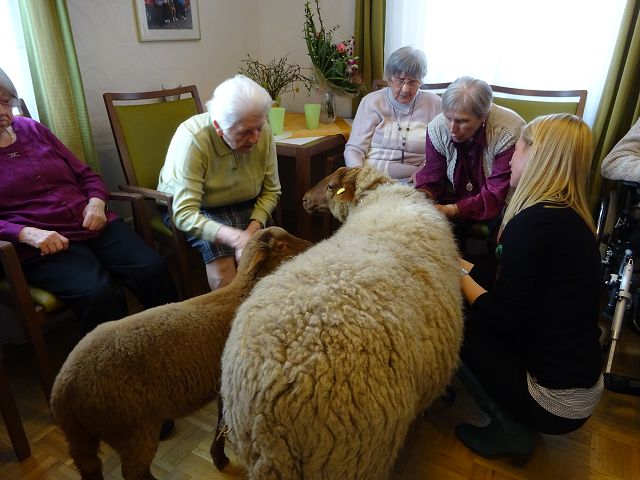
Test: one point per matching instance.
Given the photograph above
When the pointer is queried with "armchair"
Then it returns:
(35, 307)
(143, 124)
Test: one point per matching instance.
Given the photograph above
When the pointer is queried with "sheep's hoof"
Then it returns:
(220, 460)
(166, 429)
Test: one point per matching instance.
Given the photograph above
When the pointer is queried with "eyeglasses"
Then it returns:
(6, 102)
(400, 82)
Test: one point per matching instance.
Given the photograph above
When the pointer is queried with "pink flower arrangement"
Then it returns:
(334, 64)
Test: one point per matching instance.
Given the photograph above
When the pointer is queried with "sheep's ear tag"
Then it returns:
(340, 191)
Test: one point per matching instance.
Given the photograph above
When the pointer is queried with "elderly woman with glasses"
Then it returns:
(389, 128)
(53, 210)
(469, 147)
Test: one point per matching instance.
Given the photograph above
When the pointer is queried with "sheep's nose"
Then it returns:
(306, 202)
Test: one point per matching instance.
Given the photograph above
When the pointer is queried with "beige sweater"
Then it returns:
(623, 162)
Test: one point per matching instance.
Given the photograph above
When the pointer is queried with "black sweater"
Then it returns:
(545, 300)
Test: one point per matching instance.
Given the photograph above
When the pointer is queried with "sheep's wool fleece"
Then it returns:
(331, 357)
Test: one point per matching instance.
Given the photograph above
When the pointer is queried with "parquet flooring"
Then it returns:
(606, 448)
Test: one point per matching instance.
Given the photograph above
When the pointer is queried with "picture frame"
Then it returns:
(167, 20)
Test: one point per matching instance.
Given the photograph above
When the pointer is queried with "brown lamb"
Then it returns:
(128, 376)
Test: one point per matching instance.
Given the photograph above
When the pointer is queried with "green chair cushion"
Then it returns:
(157, 225)
(47, 300)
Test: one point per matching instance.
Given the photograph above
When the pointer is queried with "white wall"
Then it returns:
(112, 59)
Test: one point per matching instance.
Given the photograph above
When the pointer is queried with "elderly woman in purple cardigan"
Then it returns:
(53, 210)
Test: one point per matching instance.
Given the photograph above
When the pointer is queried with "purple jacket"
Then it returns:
(44, 185)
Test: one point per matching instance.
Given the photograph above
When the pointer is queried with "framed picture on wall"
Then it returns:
(163, 20)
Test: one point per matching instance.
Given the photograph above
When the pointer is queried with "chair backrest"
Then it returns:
(529, 104)
(22, 109)
(143, 124)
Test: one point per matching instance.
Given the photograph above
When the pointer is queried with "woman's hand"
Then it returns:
(450, 210)
(94, 215)
(236, 238)
(46, 241)
(470, 288)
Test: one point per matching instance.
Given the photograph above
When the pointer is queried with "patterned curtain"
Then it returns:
(620, 103)
(369, 33)
(56, 75)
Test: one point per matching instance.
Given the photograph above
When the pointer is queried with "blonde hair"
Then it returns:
(560, 150)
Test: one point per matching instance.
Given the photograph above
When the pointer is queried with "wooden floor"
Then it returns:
(607, 447)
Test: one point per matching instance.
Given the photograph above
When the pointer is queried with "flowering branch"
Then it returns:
(276, 77)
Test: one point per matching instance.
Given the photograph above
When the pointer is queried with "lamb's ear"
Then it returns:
(260, 248)
(265, 235)
(347, 190)
(259, 255)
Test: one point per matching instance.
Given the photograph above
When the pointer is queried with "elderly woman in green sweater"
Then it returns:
(221, 168)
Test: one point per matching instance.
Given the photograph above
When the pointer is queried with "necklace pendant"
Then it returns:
(469, 186)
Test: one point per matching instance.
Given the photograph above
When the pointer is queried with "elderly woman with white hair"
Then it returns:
(469, 147)
(221, 168)
(389, 128)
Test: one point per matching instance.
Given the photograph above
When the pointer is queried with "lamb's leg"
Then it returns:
(83, 449)
(136, 453)
(220, 460)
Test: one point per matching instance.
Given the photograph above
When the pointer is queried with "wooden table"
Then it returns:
(300, 167)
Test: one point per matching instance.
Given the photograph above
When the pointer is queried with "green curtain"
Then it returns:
(56, 75)
(620, 103)
(369, 33)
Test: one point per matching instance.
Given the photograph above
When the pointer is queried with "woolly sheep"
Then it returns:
(126, 377)
(331, 358)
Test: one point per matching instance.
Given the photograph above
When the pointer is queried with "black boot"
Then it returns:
(503, 436)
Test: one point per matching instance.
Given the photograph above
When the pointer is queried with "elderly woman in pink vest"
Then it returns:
(468, 150)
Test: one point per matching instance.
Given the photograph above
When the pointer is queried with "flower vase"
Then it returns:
(328, 107)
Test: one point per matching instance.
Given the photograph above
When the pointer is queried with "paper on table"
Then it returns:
(297, 141)
(282, 136)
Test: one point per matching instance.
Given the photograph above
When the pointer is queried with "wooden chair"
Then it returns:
(36, 307)
(143, 124)
(22, 108)
(11, 417)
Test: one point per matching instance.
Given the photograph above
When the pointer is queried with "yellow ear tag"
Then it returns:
(340, 190)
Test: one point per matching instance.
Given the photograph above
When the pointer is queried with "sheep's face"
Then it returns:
(268, 248)
(341, 190)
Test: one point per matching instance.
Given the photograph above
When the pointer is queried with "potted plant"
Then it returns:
(276, 77)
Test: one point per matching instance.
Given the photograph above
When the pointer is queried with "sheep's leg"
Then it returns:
(136, 454)
(83, 449)
(220, 460)
(83, 446)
